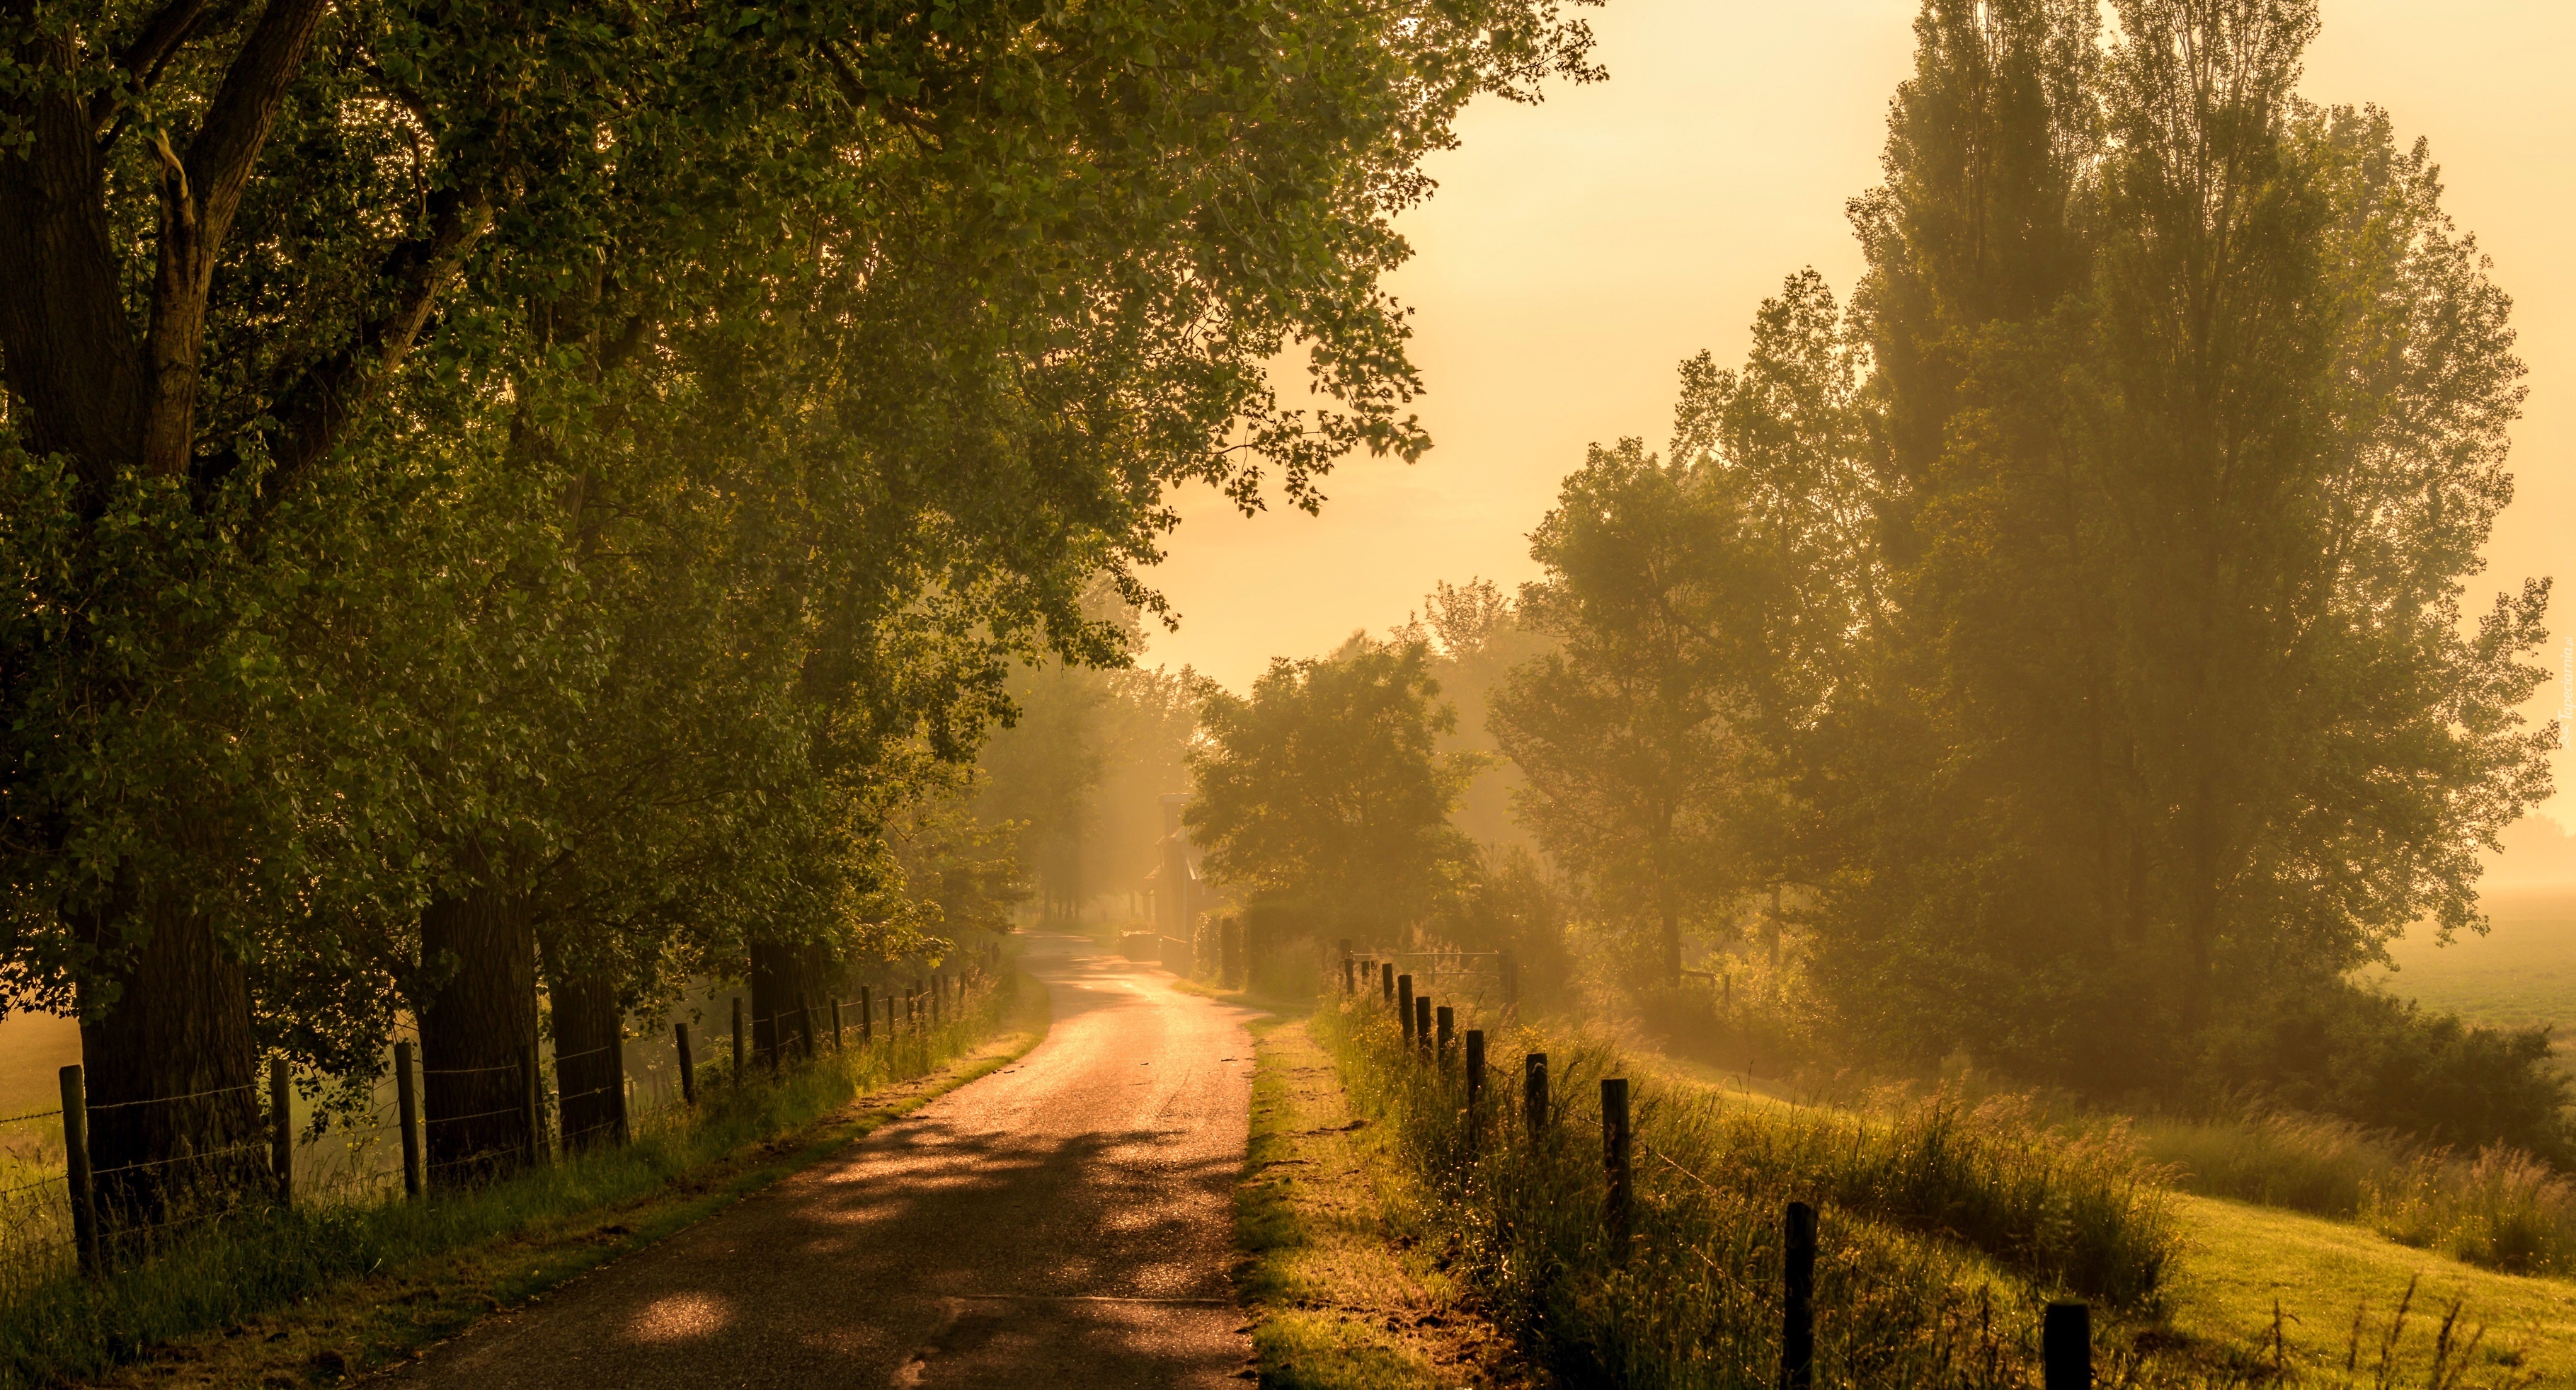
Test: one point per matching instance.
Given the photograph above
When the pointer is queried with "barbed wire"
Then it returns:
(179, 1158)
(33, 1115)
(167, 1100)
(62, 1178)
(477, 1115)
(470, 1071)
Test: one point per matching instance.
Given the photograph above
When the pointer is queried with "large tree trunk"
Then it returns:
(786, 994)
(590, 1064)
(478, 1036)
(171, 1069)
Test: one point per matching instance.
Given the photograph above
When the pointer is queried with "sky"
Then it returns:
(1578, 250)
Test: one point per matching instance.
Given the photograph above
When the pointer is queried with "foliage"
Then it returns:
(2389, 1065)
(591, 470)
(1081, 770)
(1477, 634)
(2081, 622)
(1324, 783)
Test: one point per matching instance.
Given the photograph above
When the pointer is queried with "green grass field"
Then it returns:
(2522, 971)
(2329, 1276)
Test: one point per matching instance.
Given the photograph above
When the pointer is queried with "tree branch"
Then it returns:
(317, 412)
(199, 195)
(142, 61)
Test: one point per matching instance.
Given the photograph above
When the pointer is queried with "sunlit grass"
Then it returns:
(1944, 1227)
(2495, 1207)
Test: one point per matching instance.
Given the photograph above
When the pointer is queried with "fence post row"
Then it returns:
(688, 1065)
(407, 1116)
(1798, 1301)
(76, 1174)
(1534, 1093)
(1614, 1146)
(2066, 1346)
(281, 1131)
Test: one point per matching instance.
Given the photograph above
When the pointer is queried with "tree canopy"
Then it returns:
(494, 491)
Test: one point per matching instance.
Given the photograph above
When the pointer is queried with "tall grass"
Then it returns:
(57, 1327)
(1942, 1231)
(2496, 1207)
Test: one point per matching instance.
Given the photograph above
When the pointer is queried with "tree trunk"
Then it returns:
(478, 1036)
(783, 980)
(172, 1075)
(590, 1065)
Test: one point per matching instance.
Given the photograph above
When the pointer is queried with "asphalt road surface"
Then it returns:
(1065, 1222)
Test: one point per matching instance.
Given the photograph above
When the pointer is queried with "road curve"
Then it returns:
(1065, 1222)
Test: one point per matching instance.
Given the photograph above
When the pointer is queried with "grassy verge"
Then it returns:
(310, 1296)
(2498, 1207)
(2338, 1288)
(1347, 1292)
(1943, 1231)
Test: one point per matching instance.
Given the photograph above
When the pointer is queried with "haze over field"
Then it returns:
(1578, 250)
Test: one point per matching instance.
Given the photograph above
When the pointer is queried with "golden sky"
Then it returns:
(1578, 250)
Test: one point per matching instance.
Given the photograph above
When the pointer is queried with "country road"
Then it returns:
(1065, 1222)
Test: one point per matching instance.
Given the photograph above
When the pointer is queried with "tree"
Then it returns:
(313, 312)
(1324, 785)
(1477, 635)
(2108, 640)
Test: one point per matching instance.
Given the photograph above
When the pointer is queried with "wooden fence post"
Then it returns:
(76, 1174)
(737, 1040)
(617, 1079)
(407, 1116)
(1404, 1006)
(1422, 1021)
(536, 1105)
(1798, 1301)
(2066, 1347)
(1614, 1156)
(1350, 977)
(1475, 1085)
(1534, 1093)
(1446, 1021)
(688, 1065)
(867, 1018)
(836, 1020)
(1386, 980)
(281, 1131)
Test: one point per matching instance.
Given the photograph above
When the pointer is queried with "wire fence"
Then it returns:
(383, 1146)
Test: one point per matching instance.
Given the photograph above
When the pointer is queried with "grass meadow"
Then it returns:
(1945, 1226)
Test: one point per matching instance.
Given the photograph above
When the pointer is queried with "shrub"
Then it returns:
(2388, 1064)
